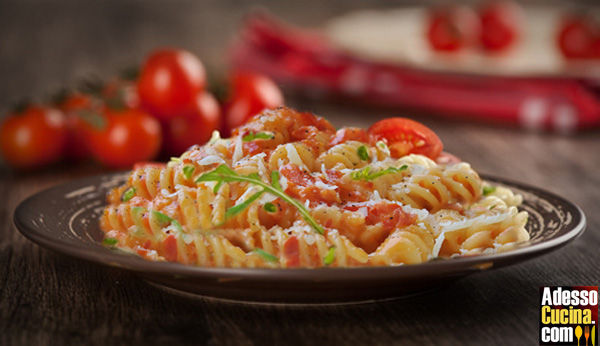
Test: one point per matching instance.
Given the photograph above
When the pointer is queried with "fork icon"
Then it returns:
(587, 334)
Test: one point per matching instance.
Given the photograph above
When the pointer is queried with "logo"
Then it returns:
(569, 315)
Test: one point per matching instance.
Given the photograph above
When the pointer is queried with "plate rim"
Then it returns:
(140, 266)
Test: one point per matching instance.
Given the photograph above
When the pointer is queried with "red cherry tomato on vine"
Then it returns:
(577, 37)
(77, 109)
(251, 93)
(195, 127)
(119, 93)
(33, 137)
(169, 82)
(451, 29)
(500, 25)
(126, 137)
(405, 136)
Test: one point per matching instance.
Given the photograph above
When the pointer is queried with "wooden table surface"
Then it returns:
(48, 298)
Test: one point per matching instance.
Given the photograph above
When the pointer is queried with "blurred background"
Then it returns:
(351, 61)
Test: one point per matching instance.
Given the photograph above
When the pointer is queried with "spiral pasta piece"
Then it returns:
(296, 153)
(409, 245)
(346, 155)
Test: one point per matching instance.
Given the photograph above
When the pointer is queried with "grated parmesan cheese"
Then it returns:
(293, 156)
(238, 152)
(209, 160)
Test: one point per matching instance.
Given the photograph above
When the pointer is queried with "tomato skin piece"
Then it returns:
(349, 134)
(405, 136)
(451, 29)
(129, 136)
(251, 93)
(169, 82)
(500, 25)
(34, 137)
(194, 127)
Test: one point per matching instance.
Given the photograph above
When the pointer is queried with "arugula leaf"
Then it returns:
(330, 257)
(188, 171)
(363, 153)
(224, 174)
(487, 190)
(258, 135)
(217, 187)
(270, 207)
(110, 241)
(267, 256)
(366, 174)
(275, 180)
(128, 194)
(233, 211)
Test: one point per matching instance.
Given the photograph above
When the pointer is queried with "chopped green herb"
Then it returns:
(224, 174)
(162, 218)
(270, 207)
(166, 220)
(137, 211)
(366, 174)
(175, 159)
(267, 256)
(487, 190)
(110, 241)
(492, 207)
(258, 135)
(381, 145)
(330, 257)
(188, 171)
(128, 194)
(363, 153)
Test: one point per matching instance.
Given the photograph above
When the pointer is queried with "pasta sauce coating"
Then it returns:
(288, 190)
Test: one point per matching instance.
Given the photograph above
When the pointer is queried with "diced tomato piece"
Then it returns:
(170, 248)
(291, 252)
(391, 215)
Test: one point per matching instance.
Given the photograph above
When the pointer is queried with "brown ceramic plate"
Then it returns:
(65, 219)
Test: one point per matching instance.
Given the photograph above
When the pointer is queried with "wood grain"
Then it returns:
(47, 298)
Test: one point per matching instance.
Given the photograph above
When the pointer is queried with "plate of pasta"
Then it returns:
(289, 209)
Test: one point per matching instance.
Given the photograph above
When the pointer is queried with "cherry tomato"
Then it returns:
(350, 134)
(453, 28)
(195, 127)
(576, 37)
(33, 137)
(78, 108)
(405, 136)
(500, 25)
(127, 136)
(169, 82)
(251, 94)
(119, 93)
